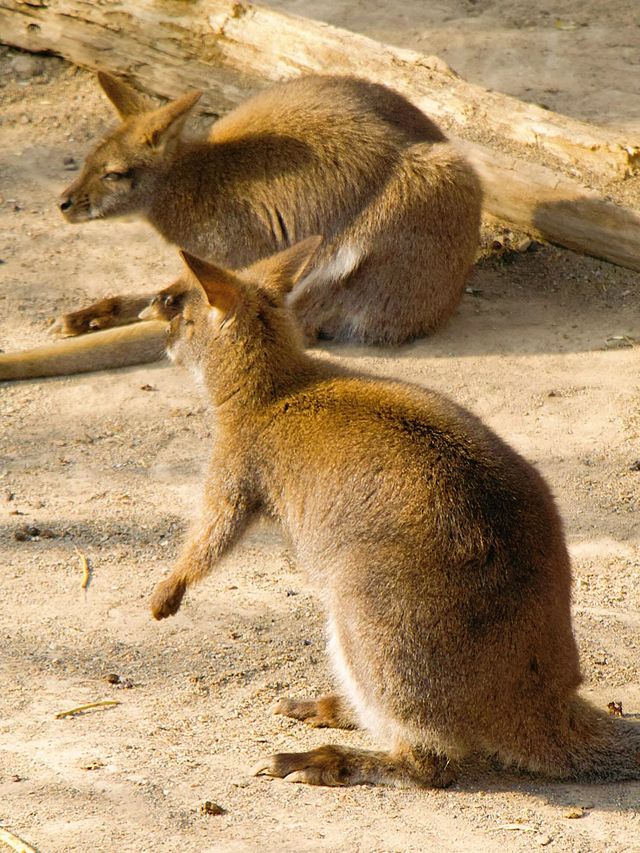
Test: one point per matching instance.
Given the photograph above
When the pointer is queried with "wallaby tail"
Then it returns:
(120, 347)
(579, 742)
(601, 748)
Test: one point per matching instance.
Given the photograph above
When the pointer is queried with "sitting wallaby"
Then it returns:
(436, 550)
(355, 161)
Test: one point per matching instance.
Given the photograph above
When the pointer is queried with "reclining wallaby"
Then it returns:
(436, 550)
(399, 208)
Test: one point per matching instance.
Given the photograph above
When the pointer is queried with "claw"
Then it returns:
(268, 768)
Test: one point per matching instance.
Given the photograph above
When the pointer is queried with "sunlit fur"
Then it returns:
(436, 550)
(354, 161)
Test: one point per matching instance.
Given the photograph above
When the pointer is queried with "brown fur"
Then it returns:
(398, 206)
(436, 550)
(332, 155)
(325, 712)
(105, 314)
(119, 347)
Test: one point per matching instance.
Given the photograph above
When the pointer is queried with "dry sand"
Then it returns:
(111, 464)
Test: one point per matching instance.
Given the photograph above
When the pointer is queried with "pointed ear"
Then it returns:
(126, 100)
(285, 268)
(221, 287)
(164, 124)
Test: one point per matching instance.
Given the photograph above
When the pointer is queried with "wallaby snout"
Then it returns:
(74, 205)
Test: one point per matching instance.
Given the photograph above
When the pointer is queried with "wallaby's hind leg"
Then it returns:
(104, 314)
(342, 766)
(326, 712)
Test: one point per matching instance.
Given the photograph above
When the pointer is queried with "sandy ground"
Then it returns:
(111, 465)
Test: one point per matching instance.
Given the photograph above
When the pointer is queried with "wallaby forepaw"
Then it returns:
(78, 323)
(327, 712)
(166, 599)
(298, 709)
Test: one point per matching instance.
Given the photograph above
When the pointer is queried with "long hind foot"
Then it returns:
(104, 314)
(326, 712)
(341, 766)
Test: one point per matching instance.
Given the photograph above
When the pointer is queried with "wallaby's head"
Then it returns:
(231, 326)
(120, 173)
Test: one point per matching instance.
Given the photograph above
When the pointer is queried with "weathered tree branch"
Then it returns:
(230, 49)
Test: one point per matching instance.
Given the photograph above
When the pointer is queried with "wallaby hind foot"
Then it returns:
(104, 314)
(342, 766)
(326, 712)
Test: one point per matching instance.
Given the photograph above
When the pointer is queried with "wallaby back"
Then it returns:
(436, 549)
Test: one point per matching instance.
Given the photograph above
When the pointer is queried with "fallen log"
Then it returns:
(137, 38)
(545, 204)
(230, 49)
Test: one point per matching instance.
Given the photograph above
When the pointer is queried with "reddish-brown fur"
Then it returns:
(107, 313)
(436, 550)
(355, 161)
(398, 206)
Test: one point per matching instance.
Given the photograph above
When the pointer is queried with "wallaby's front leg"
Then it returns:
(108, 312)
(227, 511)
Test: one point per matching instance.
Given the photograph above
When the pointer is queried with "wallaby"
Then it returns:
(437, 551)
(355, 161)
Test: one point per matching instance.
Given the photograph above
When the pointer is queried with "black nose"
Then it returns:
(66, 203)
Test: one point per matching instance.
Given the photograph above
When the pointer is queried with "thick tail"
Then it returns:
(600, 747)
(120, 347)
(577, 742)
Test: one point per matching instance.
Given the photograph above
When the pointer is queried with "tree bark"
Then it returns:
(230, 49)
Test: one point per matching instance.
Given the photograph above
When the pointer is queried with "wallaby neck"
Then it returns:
(186, 198)
(240, 393)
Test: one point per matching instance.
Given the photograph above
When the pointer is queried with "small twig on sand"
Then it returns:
(86, 569)
(107, 703)
(16, 843)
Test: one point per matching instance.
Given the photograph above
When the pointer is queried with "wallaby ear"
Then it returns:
(221, 287)
(165, 124)
(285, 268)
(126, 100)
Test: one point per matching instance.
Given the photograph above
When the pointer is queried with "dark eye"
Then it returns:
(116, 176)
